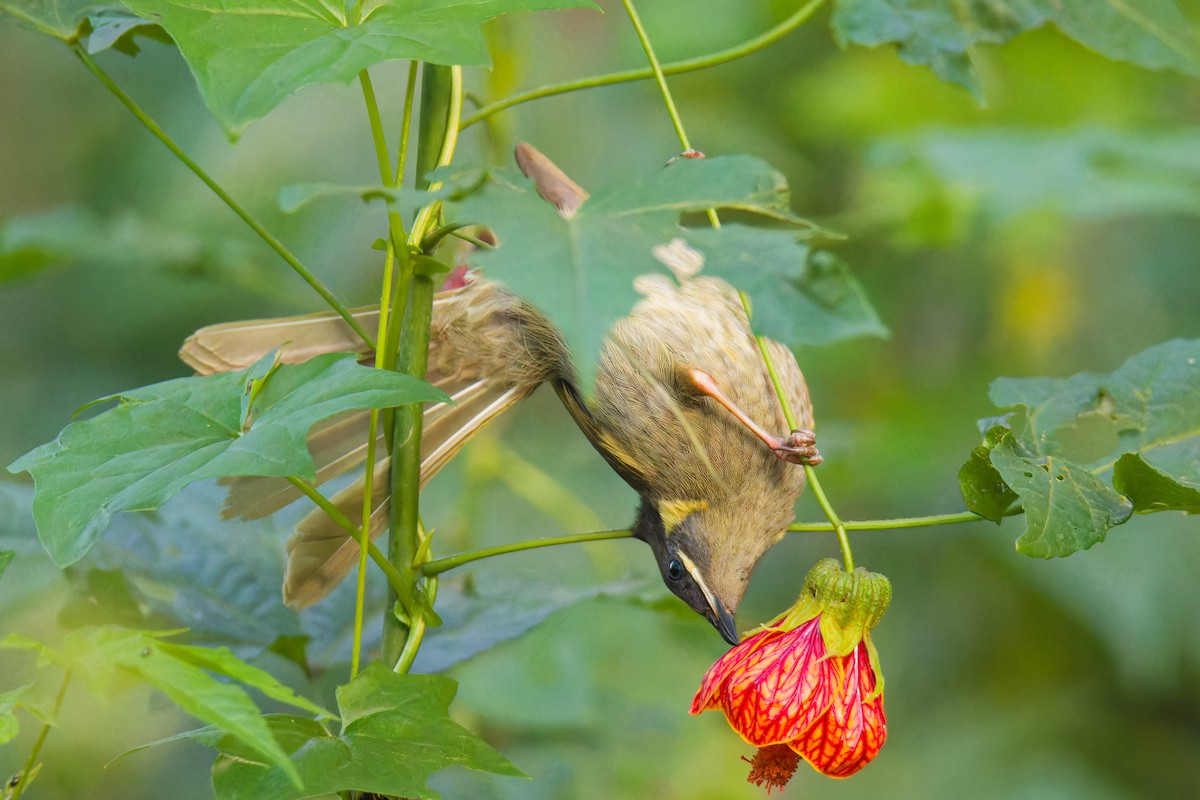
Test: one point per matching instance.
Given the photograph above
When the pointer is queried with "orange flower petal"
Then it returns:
(852, 732)
(727, 664)
(781, 688)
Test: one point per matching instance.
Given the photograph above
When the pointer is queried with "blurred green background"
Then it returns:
(1050, 231)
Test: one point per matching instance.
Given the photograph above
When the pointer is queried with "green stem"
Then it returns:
(659, 78)
(398, 582)
(890, 524)
(664, 90)
(225, 197)
(410, 91)
(406, 457)
(31, 762)
(789, 415)
(675, 68)
(839, 527)
(395, 225)
(377, 134)
(364, 536)
(386, 176)
(416, 634)
(439, 565)
(441, 109)
(326, 505)
(401, 587)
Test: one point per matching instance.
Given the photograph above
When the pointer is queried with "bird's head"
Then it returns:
(704, 558)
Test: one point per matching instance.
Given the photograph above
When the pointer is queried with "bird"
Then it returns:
(682, 409)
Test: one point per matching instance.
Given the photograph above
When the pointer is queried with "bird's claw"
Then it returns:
(800, 447)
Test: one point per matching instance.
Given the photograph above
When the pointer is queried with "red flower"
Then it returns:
(808, 680)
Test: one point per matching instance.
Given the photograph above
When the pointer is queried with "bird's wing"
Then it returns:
(321, 554)
(231, 346)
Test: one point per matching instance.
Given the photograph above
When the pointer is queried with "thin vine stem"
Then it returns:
(890, 524)
(400, 586)
(364, 539)
(742, 50)
(810, 474)
(438, 566)
(377, 134)
(254, 225)
(31, 762)
(659, 78)
(410, 92)
(665, 91)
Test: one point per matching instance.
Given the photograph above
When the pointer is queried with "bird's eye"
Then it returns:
(675, 570)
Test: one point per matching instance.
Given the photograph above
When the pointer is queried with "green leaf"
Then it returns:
(184, 566)
(1149, 33)
(219, 578)
(983, 489)
(10, 700)
(1154, 489)
(944, 34)
(580, 270)
(1088, 173)
(116, 29)
(1066, 507)
(108, 658)
(103, 596)
(124, 241)
(58, 18)
(223, 662)
(1141, 421)
(799, 296)
(161, 438)
(248, 55)
(30, 244)
(1149, 404)
(289, 731)
(6, 557)
(396, 732)
(37, 575)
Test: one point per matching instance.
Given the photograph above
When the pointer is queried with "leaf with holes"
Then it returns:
(1066, 507)
(1065, 438)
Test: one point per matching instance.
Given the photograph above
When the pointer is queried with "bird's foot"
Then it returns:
(800, 447)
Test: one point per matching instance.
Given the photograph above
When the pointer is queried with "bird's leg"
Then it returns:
(800, 447)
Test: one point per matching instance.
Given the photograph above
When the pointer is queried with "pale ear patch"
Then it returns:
(674, 512)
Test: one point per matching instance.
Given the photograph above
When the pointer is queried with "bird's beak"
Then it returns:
(722, 620)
